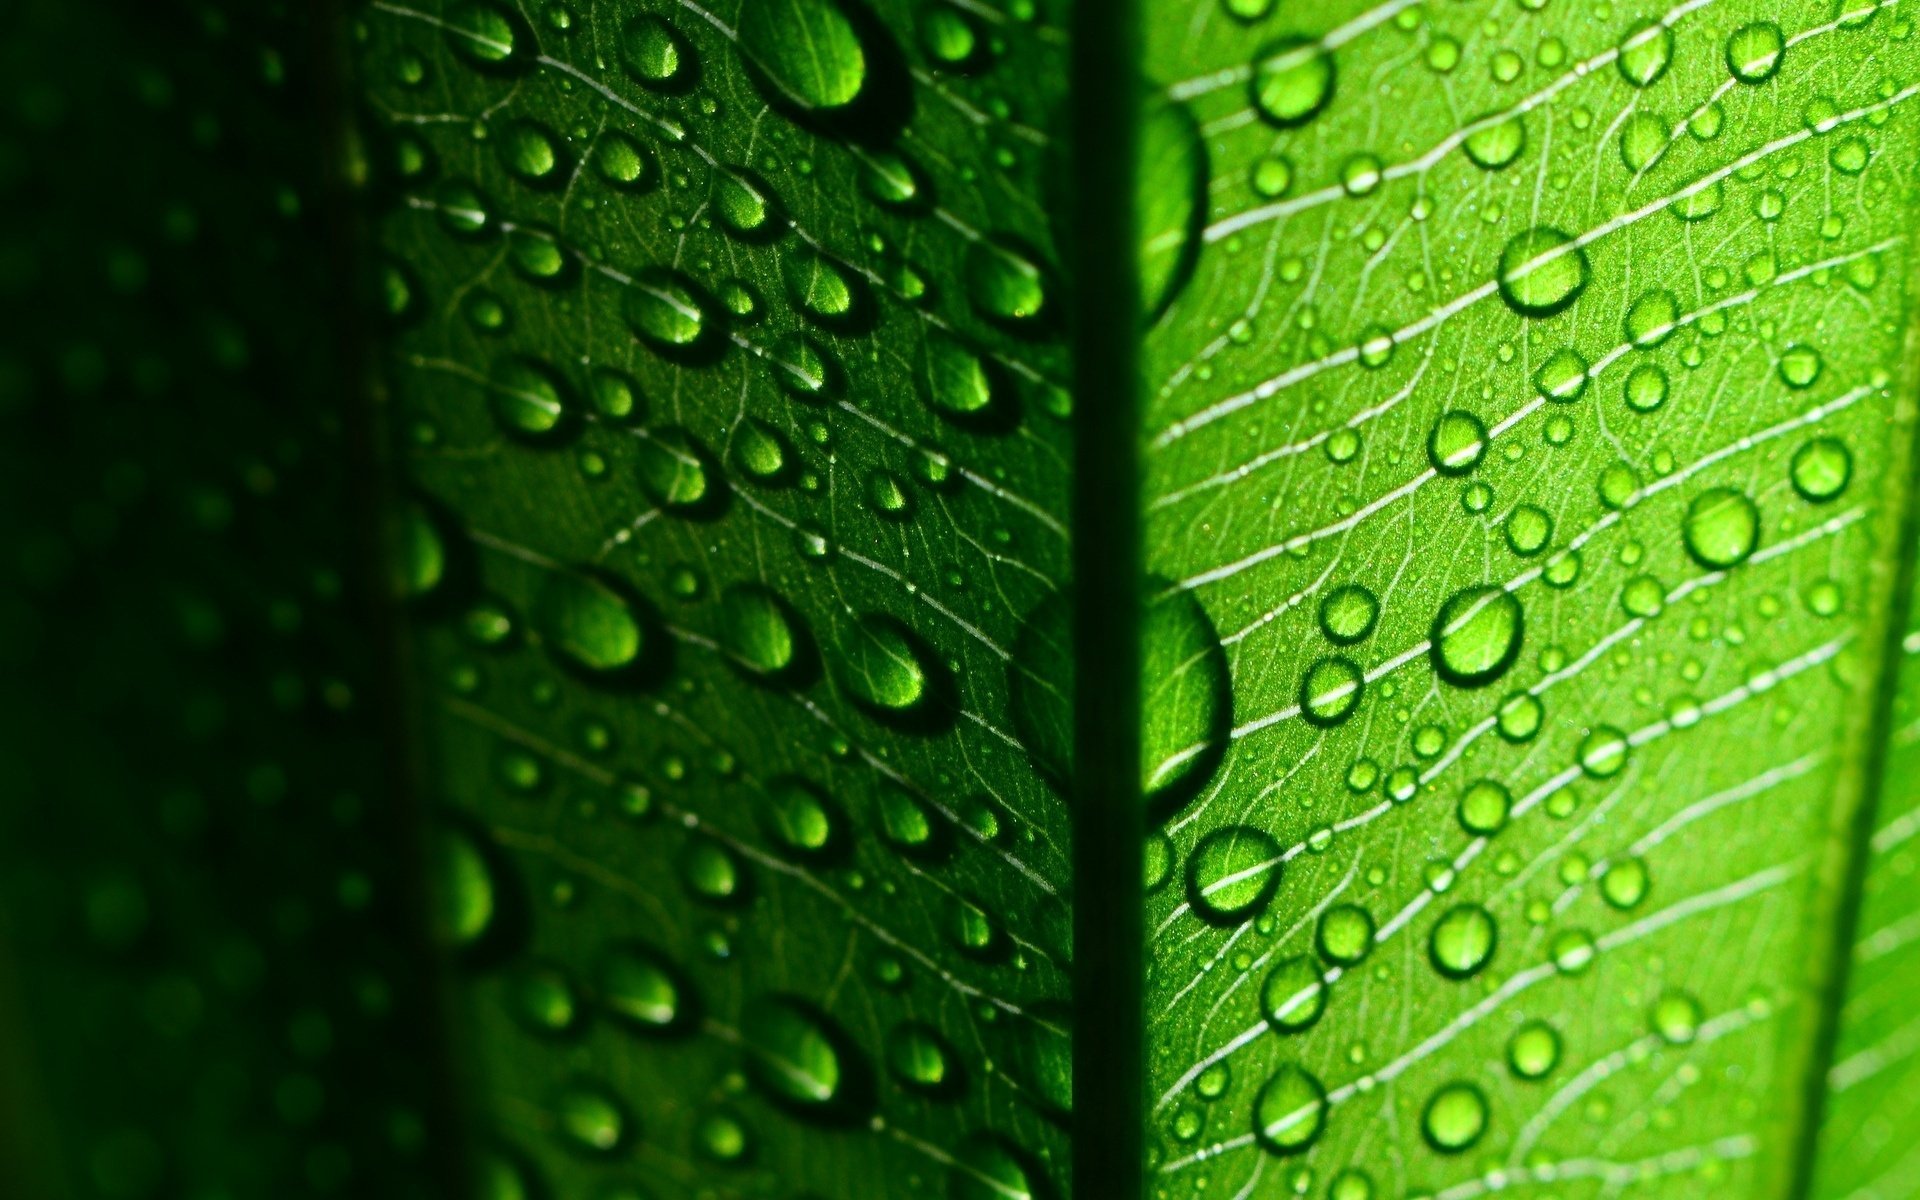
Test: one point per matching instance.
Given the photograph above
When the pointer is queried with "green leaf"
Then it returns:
(1533, 430)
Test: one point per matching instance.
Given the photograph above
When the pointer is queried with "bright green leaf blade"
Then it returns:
(730, 375)
(1530, 432)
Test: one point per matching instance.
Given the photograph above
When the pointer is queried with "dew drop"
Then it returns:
(1289, 1111)
(1348, 614)
(586, 623)
(1003, 283)
(1292, 80)
(884, 667)
(1331, 691)
(1676, 1018)
(1345, 934)
(807, 50)
(1821, 469)
(1563, 377)
(1800, 366)
(797, 816)
(1754, 51)
(1168, 201)
(1625, 883)
(1497, 143)
(1645, 53)
(1477, 636)
(674, 471)
(591, 1118)
(757, 630)
(527, 399)
(918, 1058)
(464, 891)
(1455, 1118)
(1463, 939)
(1293, 995)
(1484, 807)
(665, 311)
(654, 52)
(641, 990)
(1652, 318)
(792, 1053)
(1542, 271)
(1533, 1050)
(1232, 873)
(1457, 442)
(986, 1168)
(1721, 528)
(958, 384)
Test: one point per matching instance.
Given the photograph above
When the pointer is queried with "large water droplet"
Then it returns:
(884, 667)
(807, 50)
(1345, 934)
(1463, 940)
(591, 1117)
(798, 816)
(1455, 1118)
(958, 384)
(1754, 51)
(641, 989)
(1533, 1050)
(1168, 201)
(527, 399)
(758, 631)
(793, 1055)
(1289, 1111)
(1721, 528)
(1821, 469)
(419, 556)
(587, 623)
(1331, 690)
(665, 310)
(1003, 282)
(1293, 995)
(1457, 443)
(1232, 873)
(1292, 80)
(675, 471)
(1348, 613)
(1645, 52)
(1542, 271)
(986, 1168)
(1185, 701)
(1477, 636)
(654, 52)
(918, 1058)
(464, 892)
(1497, 143)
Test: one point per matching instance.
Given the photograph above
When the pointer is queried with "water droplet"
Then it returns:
(1572, 950)
(1185, 697)
(673, 469)
(1800, 366)
(527, 399)
(1457, 442)
(1754, 51)
(665, 310)
(744, 203)
(759, 451)
(905, 822)
(1463, 939)
(1168, 201)
(1645, 53)
(711, 872)
(1721, 528)
(1496, 144)
(654, 52)
(586, 623)
(1348, 613)
(820, 287)
(419, 556)
(793, 1054)
(958, 384)
(757, 630)
(1542, 271)
(1676, 1018)
(797, 816)
(1643, 139)
(1331, 690)
(918, 1058)
(807, 50)
(1232, 873)
(883, 666)
(1477, 636)
(986, 1168)
(1625, 883)
(1294, 994)
(483, 34)
(1289, 1111)
(1484, 808)
(1454, 1118)
(638, 987)
(623, 162)
(591, 1117)
(529, 152)
(1603, 752)
(720, 1137)
(1292, 80)
(1563, 377)
(1645, 388)
(464, 892)
(1533, 1050)
(1519, 716)
(1345, 934)
(1528, 529)
(1004, 283)
(1821, 469)
(1652, 318)
(543, 999)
